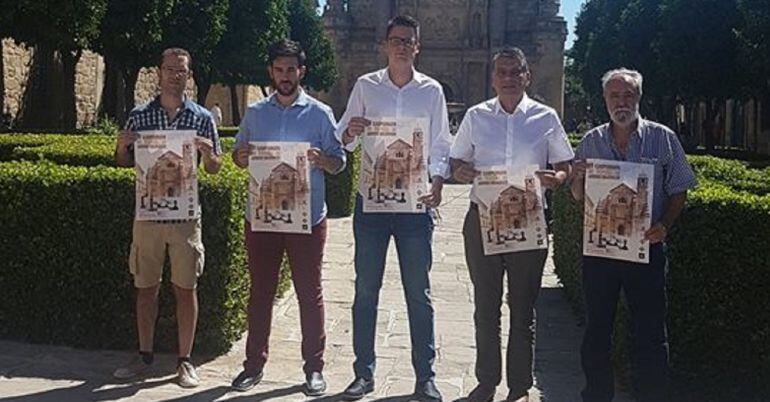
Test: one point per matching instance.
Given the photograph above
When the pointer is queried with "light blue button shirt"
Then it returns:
(306, 120)
(651, 143)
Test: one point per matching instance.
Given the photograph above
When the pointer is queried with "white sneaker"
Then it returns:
(187, 376)
(133, 369)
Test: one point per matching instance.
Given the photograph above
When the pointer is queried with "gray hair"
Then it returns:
(632, 77)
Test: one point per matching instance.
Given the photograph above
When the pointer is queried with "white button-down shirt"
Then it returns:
(375, 96)
(531, 135)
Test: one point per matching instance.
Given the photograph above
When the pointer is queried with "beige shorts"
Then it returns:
(148, 253)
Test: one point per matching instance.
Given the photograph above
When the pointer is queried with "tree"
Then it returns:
(307, 29)
(59, 32)
(241, 55)
(130, 38)
(197, 26)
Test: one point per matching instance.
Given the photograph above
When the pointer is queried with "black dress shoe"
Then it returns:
(358, 388)
(482, 393)
(246, 380)
(315, 384)
(426, 391)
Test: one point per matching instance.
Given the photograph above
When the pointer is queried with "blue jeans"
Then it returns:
(412, 234)
(644, 288)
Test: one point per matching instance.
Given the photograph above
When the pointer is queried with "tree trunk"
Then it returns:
(69, 107)
(130, 76)
(2, 87)
(264, 91)
(203, 84)
(39, 106)
(234, 104)
(112, 102)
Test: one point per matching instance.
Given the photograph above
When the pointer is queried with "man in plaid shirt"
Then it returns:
(171, 110)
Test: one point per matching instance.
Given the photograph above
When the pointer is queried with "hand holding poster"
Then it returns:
(279, 187)
(393, 165)
(510, 209)
(166, 176)
(618, 199)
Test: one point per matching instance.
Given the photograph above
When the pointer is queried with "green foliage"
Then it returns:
(717, 282)
(307, 29)
(66, 26)
(252, 25)
(341, 189)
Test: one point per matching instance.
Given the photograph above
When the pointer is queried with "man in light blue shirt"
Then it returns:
(630, 138)
(289, 115)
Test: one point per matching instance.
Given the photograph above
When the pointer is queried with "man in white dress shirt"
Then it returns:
(515, 131)
(397, 91)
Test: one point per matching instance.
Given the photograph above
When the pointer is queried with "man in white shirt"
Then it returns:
(515, 131)
(398, 91)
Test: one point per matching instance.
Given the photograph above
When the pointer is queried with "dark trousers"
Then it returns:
(644, 288)
(265, 253)
(524, 272)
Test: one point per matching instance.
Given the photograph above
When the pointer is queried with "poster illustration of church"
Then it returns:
(279, 187)
(393, 173)
(166, 176)
(618, 202)
(510, 209)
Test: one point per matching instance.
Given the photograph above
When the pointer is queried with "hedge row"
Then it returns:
(64, 252)
(78, 254)
(717, 285)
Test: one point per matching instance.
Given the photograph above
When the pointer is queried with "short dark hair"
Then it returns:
(175, 51)
(403, 21)
(511, 53)
(285, 48)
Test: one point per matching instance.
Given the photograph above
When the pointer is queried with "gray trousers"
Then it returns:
(524, 271)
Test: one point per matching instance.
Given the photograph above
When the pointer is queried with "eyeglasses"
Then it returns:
(175, 71)
(395, 41)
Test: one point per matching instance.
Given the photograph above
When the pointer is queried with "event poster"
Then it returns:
(393, 172)
(618, 199)
(510, 209)
(166, 175)
(279, 187)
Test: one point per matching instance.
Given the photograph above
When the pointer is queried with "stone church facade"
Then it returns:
(458, 38)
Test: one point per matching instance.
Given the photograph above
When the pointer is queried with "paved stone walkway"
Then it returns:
(46, 373)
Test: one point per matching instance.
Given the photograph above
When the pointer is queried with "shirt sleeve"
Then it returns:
(440, 137)
(331, 146)
(462, 148)
(559, 149)
(243, 134)
(355, 108)
(679, 175)
(210, 132)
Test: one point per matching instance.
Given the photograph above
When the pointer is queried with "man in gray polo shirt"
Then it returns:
(628, 137)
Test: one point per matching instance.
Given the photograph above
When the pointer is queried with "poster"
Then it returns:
(393, 173)
(510, 209)
(618, 199)
(166, 176)
(279, 187)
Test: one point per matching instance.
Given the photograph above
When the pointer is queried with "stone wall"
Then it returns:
(89, 82)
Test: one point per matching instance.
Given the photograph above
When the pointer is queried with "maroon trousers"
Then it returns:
(265, 252)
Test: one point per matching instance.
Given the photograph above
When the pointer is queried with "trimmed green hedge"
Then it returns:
(717, 285)
(64, 252)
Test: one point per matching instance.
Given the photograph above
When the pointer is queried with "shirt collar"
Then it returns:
(186, 103)
(383, 77)
(301, 101)
(523, 105)
(637, 134)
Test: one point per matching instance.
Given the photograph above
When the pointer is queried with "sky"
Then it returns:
(569, 10)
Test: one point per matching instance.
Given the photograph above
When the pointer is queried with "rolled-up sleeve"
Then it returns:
(679, 175)
(244, 136)
(331, 145)
(355, 108)
(440, 137)
(462, 148)
(559, 149)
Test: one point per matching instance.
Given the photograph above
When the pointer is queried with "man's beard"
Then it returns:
(625, 117)
(280, 88)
